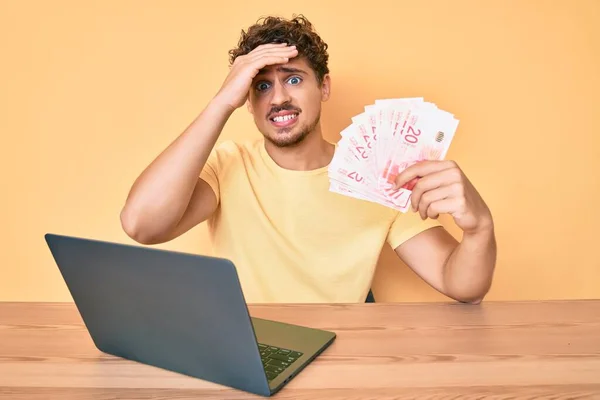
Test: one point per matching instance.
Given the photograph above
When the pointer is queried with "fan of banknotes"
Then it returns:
(388, 137)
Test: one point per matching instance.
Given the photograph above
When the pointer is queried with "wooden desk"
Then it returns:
(383, 351)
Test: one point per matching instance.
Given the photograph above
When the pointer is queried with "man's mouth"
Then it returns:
(284, 119)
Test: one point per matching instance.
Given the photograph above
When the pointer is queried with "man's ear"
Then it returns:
(326, 88)
(249, 106)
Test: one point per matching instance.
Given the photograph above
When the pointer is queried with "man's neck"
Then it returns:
(312, 153)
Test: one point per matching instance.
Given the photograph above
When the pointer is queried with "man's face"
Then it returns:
(285, 100)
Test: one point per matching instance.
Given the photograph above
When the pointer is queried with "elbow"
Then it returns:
(472, 298)
(474, 302)
(471, 292)
(132, 226)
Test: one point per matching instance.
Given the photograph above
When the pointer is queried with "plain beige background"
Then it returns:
(92, 91)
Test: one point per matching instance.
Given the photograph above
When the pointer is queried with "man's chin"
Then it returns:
(289, 139)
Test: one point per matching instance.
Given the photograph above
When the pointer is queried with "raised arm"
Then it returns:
(169, 198)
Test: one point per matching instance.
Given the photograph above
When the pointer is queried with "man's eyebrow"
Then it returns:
(288, 70)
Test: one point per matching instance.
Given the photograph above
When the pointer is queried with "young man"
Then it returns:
(267, 201)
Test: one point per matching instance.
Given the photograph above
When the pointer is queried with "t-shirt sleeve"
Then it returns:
(406, 225)
(213, 169)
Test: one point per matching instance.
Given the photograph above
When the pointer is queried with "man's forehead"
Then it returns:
(293, 66)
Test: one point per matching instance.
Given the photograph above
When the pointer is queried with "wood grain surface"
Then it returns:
(498, 350)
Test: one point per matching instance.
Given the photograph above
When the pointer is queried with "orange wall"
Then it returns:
(91, 93)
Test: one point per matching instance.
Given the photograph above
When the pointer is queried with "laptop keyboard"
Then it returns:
(276, 359)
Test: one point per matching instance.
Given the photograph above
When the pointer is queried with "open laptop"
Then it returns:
(181, 312)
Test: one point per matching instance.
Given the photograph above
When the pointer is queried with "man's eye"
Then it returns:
(262, 86)
(295, 80)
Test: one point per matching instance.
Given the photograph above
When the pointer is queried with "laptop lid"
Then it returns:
(177, 311)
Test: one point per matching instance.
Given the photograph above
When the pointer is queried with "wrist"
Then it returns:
(221, 105)
(485, 228)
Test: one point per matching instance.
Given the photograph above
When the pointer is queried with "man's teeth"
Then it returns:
(285, 118)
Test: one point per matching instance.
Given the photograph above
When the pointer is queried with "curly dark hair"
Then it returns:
(298, 31)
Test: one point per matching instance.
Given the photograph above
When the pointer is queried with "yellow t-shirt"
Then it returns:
(291, 239)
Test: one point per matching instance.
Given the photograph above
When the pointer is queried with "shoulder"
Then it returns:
(233, 148)
(230, 156)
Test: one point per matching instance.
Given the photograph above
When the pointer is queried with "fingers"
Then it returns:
(275, 48)
(267, 57)
(430, 197)
(421, 169)
(446, 177)
(271, 49)
(258, 49)
(266, 54)
(445, 206)
(269, 60)
(287, 52)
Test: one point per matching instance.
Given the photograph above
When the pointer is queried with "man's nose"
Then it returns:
(280, 94)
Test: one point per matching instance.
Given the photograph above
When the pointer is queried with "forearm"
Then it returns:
(470, 267)
(161, 194)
